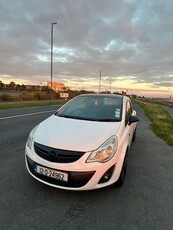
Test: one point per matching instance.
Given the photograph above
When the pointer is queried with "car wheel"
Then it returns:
(134, 136)
(121, 179)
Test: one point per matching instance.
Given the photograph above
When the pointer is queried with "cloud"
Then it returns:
(125, 39)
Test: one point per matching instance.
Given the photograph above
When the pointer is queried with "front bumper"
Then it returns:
(81, 175)
(75, 179)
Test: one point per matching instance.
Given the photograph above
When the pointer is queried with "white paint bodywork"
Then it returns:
(85, 136)
(66, 133)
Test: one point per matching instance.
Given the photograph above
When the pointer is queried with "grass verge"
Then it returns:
(159, 101)
(161, 121)
(30, 104)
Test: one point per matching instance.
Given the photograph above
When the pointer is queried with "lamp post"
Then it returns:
(52, 24)
(110, 86)
(100, 81)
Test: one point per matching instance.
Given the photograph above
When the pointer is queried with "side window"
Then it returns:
(129, 110)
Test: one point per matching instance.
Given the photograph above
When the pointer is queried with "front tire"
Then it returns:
(121, 179)
(134, 136)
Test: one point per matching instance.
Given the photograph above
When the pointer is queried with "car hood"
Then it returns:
(73, 134)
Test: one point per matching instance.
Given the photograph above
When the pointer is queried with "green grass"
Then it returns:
(159, 101)
(30, 104)
(161, 121)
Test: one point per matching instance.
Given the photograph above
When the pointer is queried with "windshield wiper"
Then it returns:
(109, 120)
(89, 118)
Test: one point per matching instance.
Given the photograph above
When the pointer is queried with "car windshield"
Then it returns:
(95, 108)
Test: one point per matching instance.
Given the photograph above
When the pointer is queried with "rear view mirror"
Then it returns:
(133, 119)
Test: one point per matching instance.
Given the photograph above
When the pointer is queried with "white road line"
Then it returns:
(27, 114)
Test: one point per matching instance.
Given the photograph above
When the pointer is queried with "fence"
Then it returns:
(10, 95)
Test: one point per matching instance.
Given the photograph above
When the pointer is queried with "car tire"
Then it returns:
(134, 136)
(122, 176)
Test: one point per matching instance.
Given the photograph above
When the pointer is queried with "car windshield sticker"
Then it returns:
(117, 113)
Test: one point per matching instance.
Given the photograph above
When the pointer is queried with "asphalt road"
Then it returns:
(144, 202)
(170, 110)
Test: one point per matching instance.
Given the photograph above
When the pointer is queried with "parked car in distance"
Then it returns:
(84, 145)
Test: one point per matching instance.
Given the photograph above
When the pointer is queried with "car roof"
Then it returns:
(102, 95)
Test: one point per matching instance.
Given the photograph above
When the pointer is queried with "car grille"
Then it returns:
(57, 155)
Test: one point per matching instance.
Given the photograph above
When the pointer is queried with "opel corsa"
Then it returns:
(84, 145)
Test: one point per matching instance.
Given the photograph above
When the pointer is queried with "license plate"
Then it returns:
(51, 173)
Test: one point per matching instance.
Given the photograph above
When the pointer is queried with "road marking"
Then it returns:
(26, 114)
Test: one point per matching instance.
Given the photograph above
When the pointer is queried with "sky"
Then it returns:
(129, 43)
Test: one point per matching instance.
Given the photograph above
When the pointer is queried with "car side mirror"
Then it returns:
(133, 119)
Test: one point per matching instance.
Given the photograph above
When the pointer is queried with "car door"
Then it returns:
(126, 133)
(129, 128)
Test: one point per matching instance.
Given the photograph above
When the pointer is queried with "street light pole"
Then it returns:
(110, 86)
(100, 81)
(52, 24)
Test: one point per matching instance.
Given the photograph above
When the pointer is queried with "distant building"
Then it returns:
(57, 86)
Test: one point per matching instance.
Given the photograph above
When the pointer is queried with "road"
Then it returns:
(144, 202)
(170, 110)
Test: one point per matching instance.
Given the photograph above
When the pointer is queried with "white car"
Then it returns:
(84, 145)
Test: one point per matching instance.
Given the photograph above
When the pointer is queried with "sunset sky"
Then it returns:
(130, 41)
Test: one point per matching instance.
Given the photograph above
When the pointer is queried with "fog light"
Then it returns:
(107, 175)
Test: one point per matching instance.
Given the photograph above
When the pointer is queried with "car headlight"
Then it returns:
(105, 152)
(30, 137)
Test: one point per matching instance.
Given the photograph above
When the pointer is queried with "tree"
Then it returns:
(12, 85)
(1, 85)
